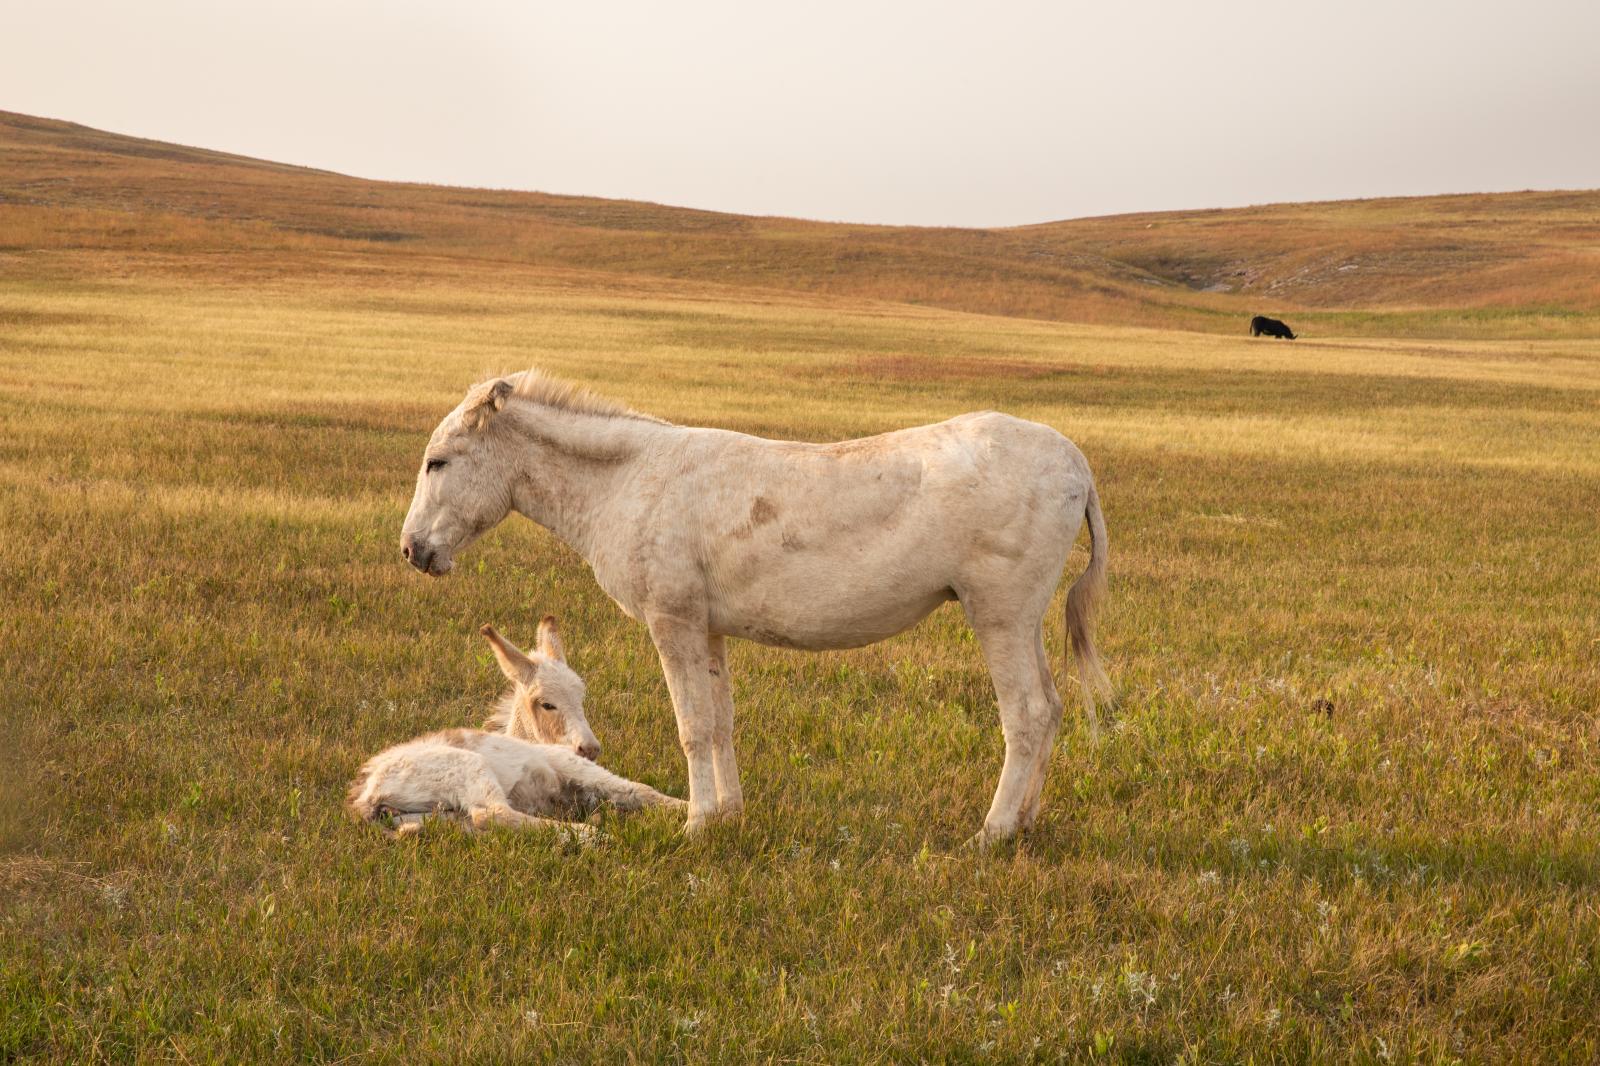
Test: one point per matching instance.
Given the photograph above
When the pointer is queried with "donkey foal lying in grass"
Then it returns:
(536, 767)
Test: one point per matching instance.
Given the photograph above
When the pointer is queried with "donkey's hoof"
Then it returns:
(987, 839)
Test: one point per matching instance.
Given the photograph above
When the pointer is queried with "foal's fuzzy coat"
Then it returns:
(507, 777)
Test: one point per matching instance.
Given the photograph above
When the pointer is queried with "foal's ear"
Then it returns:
(550, 639)
(484, 400)
(515, 665)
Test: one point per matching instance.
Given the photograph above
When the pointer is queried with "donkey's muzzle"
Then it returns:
(416, 553)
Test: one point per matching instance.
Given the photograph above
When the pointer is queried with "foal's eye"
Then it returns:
(548, 706)
(435, 464)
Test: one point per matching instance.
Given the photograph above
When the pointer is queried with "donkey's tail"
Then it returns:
(362, 800)
(1083, 601)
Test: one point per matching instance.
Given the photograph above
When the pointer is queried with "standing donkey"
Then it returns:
(536, 767)
(705, 534)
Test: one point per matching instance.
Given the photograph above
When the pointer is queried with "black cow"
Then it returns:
(1262, 326)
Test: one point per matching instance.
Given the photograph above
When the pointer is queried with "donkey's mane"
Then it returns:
(538, 387)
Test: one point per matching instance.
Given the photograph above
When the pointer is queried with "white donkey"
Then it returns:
(538, 766)
(704, 534)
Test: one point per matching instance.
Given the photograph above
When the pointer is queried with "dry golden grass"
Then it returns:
(202, 479)
(208, 447)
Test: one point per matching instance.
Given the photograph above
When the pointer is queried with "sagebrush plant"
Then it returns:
(1347, 810)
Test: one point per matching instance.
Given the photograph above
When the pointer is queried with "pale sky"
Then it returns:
(983, 113)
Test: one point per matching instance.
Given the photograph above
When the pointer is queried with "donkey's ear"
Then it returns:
(484, 400)
(550, 639)
(515, 665)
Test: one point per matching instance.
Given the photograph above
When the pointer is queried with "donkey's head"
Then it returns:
(545, 704)
(464, 485)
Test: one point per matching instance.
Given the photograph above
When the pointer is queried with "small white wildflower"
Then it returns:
(844, 834)
(1270, 1019)
(1261, 749)
(1240, 847)
(531, 1018)
(1140, 987)
(686, 1023)
(833, 864)
(1210, 877)
(695, 883)
(1383, 1050)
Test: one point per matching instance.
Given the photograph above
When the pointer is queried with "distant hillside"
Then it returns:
(1509, 264)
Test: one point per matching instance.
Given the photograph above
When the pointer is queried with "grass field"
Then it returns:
(206, 454)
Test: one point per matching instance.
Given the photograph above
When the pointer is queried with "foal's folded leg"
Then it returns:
(485, 815)
(609, 788)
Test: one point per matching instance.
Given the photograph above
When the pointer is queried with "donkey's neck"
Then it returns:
(570, 464)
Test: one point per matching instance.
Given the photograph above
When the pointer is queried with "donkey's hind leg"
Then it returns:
(1028, 714)
(1031, 801)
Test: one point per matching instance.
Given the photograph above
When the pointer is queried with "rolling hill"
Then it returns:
(1514, 264)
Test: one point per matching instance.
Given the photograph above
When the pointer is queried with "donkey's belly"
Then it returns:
(816, 621)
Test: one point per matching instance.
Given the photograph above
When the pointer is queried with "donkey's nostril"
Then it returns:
(589, 751)
(405, 550)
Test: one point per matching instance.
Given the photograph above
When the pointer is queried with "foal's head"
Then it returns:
(545, 704)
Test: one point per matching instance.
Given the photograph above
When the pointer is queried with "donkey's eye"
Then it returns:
(548, 706)
(435, 464)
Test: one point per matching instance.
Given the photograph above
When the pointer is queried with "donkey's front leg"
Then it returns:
(730, 796)
(684, 659)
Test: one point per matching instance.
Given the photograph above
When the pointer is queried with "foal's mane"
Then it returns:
(538, 387)
(500, 714)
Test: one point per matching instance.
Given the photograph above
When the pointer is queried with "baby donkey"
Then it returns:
(536, 765)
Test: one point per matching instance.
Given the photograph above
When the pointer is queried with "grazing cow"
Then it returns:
(534, 771)
(705, 534)
(1262, 326)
